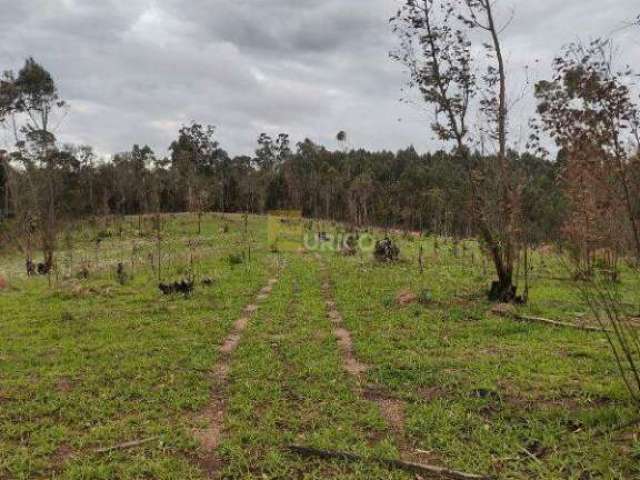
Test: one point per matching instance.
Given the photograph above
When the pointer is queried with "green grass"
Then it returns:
(288, 387)
(549, 389)
(91, 363)
(81, 370)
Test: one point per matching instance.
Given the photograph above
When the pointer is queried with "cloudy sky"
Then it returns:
(133, 71)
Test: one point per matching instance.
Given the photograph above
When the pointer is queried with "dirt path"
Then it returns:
(214, 414)
(392, 409)
(345, 341)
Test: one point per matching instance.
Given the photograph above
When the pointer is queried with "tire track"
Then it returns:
(392, 409)
(213, 415)
(345, 340)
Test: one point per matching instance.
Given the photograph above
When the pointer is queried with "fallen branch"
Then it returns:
(502, 311)
(555, 323)
(123, 446)
(399, 464)
(531, 455)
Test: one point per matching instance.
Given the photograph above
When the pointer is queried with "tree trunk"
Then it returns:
(503, 289)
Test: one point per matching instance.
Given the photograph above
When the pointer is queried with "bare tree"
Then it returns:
(437, 48)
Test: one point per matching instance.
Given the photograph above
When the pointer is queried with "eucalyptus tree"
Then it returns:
(269, 160)
(29, 102)
(342, 139)
(591, 112)
(196, 154)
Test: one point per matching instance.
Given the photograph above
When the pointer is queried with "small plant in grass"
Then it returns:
(84, 272)
(246, 239)
(388, 300)
(136, 250)
(425, 296)
(235, 259)
(350, 246)
(68, 243)
(102, 235)
(157, 225)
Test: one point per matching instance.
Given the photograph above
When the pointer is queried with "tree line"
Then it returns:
(42, 181)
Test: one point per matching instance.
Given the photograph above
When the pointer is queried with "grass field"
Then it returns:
(90, 364)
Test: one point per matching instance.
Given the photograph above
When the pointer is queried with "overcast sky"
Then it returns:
(133, 71)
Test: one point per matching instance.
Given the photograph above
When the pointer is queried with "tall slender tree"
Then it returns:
(438, 41)
(27, 102)
(4, 184)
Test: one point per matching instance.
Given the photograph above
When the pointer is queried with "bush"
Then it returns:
(386, 251)
(102, 235)
(350, 247)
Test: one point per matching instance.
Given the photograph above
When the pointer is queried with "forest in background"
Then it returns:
(404, 189)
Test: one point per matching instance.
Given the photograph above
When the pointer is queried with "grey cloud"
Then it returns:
(134, 70)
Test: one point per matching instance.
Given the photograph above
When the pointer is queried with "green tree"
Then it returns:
(29, 99)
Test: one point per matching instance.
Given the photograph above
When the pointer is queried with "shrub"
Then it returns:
(102, 235)
(350, 246)
(235, 259)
